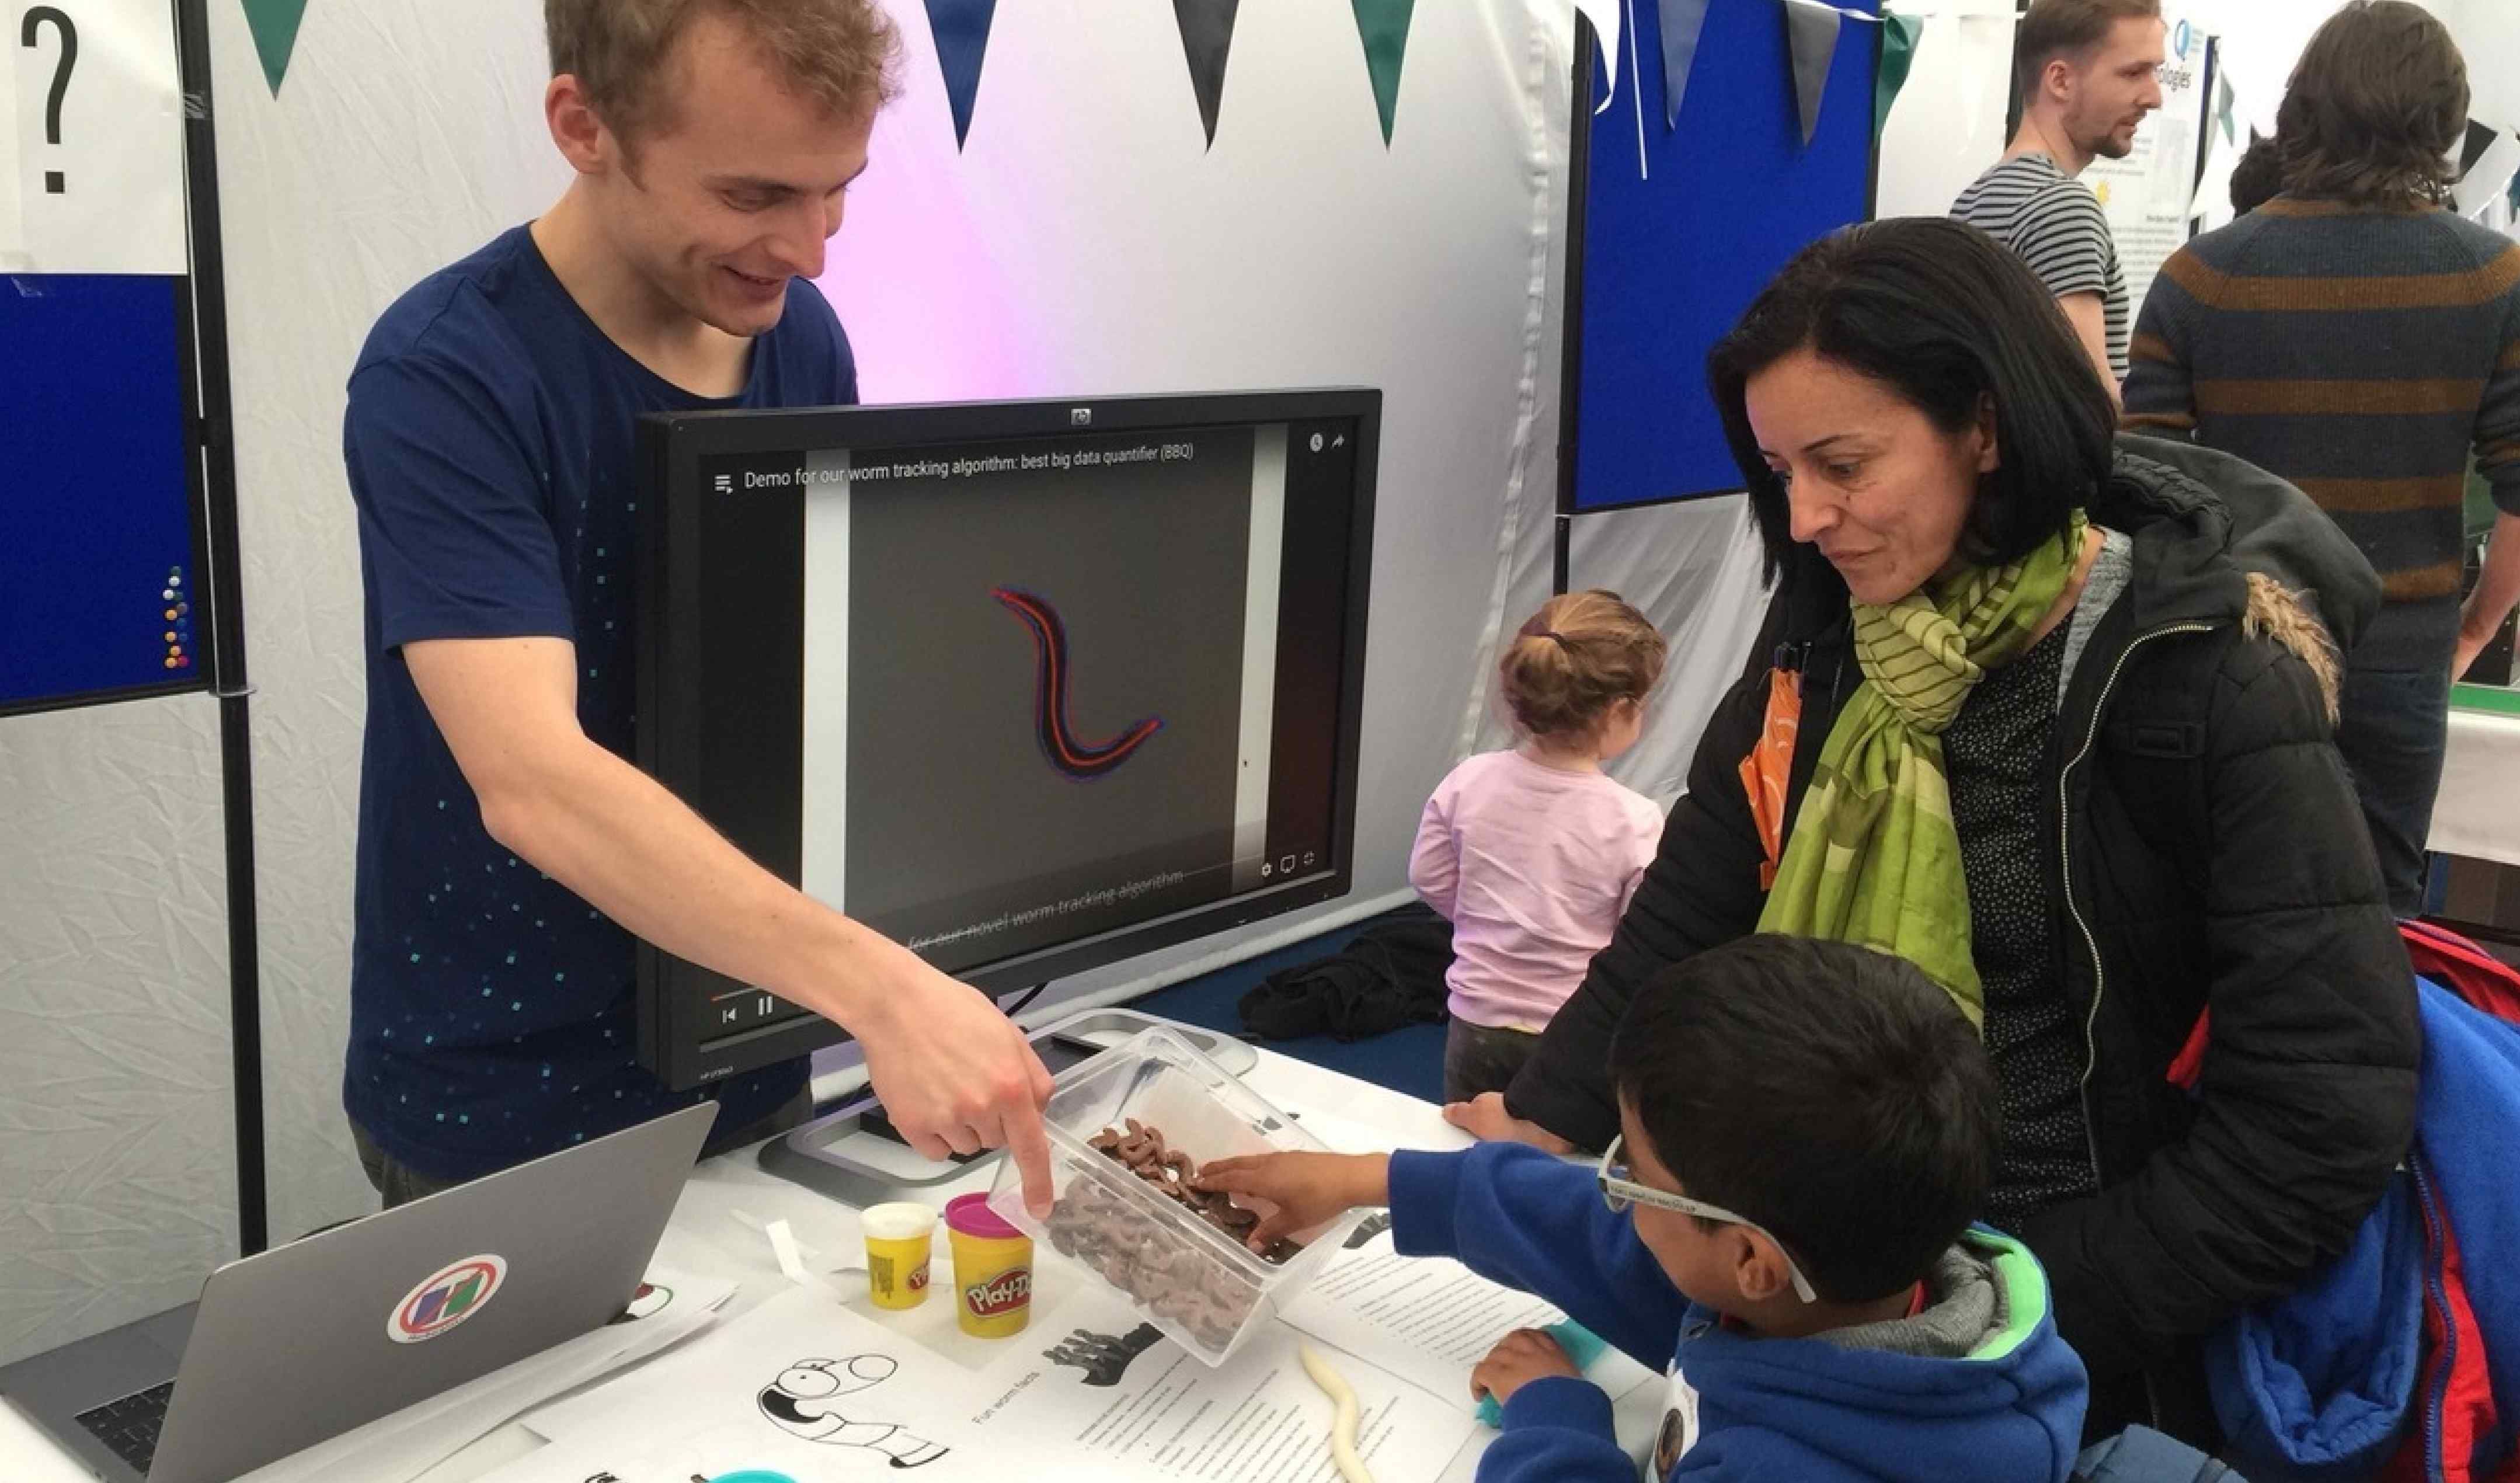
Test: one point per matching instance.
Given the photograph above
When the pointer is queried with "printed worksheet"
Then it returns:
(798, 1369)
(1107, 1389)
(1428, 1319)
(805, 1390)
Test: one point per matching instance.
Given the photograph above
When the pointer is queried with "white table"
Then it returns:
(2478, 811)
(706, 1238)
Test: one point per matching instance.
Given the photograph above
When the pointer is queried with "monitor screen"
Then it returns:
(1028, 688)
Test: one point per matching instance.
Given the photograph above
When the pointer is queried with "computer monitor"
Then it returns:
(1028, 687)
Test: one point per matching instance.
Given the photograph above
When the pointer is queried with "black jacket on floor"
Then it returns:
(1389, 976)
(2205, 851)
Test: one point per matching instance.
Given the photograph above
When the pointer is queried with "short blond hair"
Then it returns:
(840, 53)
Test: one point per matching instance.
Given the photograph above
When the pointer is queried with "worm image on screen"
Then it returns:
(1079, 759)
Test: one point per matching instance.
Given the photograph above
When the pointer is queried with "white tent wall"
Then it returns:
(2488, 37)
(113, 1017)
(1948, 122)
(1695, 570)
(1086, 243)
(2262, 40)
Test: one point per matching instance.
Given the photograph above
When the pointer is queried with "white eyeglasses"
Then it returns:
(1619, 1191)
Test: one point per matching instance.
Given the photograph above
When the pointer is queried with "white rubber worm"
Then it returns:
(1342, 1425)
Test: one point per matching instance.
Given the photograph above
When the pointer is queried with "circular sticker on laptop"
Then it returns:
(445, 1298)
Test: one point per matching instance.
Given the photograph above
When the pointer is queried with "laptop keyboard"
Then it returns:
(130, 1425)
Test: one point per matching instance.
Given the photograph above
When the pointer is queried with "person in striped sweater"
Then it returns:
(2356, 339)
(2086, 73)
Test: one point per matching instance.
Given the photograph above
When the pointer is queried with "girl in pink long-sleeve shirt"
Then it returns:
(1533, 853)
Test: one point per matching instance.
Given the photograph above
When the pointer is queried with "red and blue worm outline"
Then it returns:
(1078, 759)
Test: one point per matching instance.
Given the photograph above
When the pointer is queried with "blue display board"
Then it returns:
(1670, 262)
(100, 543)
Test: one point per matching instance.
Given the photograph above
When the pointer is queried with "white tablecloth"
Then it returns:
(706, 1238)
(2478, 812)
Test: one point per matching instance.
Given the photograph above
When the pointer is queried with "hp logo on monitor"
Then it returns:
(1080, 417)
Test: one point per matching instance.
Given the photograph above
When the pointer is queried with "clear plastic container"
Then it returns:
(1200, 1286)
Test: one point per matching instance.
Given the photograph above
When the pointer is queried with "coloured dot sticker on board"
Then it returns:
(177, 636)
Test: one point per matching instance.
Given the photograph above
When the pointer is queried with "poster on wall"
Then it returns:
(2146, 196)
(91, 139)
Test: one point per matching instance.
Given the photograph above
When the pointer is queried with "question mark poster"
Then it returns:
(91, 138)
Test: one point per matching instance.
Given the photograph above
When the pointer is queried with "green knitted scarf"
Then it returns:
(1874, 858)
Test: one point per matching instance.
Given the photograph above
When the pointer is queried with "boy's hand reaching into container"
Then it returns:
(1294, 1193)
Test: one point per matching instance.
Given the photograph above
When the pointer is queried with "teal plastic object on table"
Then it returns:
(1582, 1346)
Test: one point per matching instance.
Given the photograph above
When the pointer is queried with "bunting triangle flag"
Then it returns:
(1207, 34)
(961, 31)
(274, 24)
(1811, 28)
(1899, 37)
(1681, 21)
(1384, 27)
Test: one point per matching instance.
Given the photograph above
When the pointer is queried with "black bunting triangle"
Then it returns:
(1207, 35)
(961, 31)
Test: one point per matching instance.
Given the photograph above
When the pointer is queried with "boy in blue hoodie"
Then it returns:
(1806, 1131)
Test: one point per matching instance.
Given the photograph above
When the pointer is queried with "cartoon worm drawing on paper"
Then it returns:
(803, 1401)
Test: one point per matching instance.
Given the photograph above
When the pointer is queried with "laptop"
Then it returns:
(303, 1342)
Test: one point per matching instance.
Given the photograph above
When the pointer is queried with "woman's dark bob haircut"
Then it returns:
(1952, 322)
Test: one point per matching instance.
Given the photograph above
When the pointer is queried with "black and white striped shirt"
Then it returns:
(2054, 222)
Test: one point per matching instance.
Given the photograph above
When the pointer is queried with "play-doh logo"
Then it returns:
(1004, 1293)
(445, 1298)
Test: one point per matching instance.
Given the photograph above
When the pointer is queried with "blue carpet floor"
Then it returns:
(1409, 1059)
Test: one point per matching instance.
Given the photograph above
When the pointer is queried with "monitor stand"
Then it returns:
(835, 1155)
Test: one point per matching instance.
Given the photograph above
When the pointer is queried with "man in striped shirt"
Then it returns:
(2356, 338)
(2087, 76)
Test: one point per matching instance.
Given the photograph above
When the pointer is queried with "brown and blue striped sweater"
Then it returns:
(2362, 354)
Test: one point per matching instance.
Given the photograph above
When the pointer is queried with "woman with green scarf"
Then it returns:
(2048, 711)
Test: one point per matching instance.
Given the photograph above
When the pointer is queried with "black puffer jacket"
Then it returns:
(2206, 851)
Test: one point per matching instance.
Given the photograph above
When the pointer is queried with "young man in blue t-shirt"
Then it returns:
(507, 850)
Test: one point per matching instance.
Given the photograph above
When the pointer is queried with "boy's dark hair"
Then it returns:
(2053, 29)
(1949, 320)
(1832, 1093)
(2377, 101)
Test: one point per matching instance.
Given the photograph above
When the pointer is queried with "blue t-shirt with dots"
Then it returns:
(491, 447)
